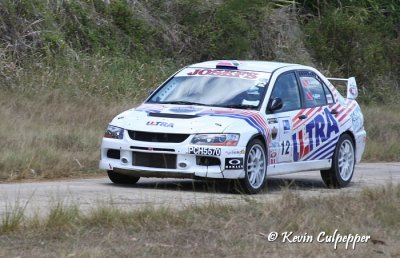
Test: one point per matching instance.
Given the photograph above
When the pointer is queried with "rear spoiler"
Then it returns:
(352, 91)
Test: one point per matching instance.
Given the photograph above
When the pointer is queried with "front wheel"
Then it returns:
(341, 172)
(255, 168)
(117, 178)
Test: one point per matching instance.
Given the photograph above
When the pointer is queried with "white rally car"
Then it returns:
(238, 120)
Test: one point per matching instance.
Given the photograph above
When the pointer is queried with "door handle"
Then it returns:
(302, 116)
(334, 112)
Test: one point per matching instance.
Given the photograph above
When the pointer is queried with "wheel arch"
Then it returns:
(259, 137)
(351, 134)
(251, 182)
(262, 138)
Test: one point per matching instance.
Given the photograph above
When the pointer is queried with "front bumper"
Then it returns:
(178, 160)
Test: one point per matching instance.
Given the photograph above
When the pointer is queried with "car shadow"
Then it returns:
(274, 184)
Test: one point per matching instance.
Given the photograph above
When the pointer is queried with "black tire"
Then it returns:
(343, 162)
(255, 168)
(122, 179)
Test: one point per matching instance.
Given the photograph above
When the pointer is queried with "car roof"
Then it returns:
(261, 66)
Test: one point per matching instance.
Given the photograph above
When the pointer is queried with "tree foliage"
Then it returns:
(360, 38)
(345, 37)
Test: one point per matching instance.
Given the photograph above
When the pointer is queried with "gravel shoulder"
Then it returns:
(39, 197)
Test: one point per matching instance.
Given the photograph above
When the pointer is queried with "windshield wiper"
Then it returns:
(242, 106)
(180, 102)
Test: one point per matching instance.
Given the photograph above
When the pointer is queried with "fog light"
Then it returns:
(182, 164)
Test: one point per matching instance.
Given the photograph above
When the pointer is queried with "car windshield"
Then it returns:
(214, 87)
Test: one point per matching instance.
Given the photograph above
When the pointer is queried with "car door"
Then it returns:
(281, 120)
(314, 126)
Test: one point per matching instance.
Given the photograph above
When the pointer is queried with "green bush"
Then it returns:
(358, 39)
(346, 38)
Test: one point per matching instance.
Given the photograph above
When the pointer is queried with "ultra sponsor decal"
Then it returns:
(163, 124)
(206, 151)
(321, 133)
(234, 163)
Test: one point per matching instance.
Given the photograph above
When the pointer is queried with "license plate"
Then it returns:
(207, 151)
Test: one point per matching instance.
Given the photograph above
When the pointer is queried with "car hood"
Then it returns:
(180, 119)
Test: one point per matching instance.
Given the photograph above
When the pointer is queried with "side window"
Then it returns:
(287, 89)
(328, 94)
(313, 90)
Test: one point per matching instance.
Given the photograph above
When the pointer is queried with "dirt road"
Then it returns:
(39, 197)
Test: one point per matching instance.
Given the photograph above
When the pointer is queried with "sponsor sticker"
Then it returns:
(206, 151)
(286, 125)
(234, 163)
(235, 152)
(274, 133)
(273, 157)
(224, 73)
(272, 121)
(317, 96)
(164, 124)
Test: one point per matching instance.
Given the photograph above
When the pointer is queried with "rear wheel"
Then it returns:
(121, 178)
(341, 172)
(255, 168)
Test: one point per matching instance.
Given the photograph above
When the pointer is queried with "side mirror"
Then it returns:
(275, 104)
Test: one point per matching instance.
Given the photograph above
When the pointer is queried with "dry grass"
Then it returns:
(53, 118)
(382, 124)
(214, 229)
(53, 135)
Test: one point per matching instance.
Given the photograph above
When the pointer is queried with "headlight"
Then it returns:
(229, 139)
(114, 132)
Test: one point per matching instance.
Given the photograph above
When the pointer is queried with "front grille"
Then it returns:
(154, 160)
(151, 149)
(157, 137)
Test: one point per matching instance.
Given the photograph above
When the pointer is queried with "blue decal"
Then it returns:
(286, 125)
(322, 133)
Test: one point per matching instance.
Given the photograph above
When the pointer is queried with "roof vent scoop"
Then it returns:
(229, 65)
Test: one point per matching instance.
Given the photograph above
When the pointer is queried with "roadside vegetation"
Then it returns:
(210, 230)
(67, 67)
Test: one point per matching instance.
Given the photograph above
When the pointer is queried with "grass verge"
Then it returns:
(213, 229)
(54, 134)
(382, 124)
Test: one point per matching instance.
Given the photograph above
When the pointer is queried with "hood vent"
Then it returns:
(169, 115)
